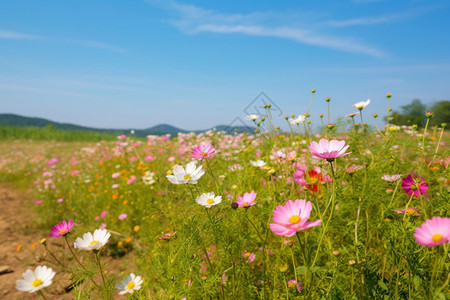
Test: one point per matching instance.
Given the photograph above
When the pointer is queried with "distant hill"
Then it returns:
(160, 129)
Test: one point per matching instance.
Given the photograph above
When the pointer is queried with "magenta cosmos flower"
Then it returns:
(61, 229)
(203, 151)
(414, 185)
(433, 232)
(328, 150)
(292, 217)
(247, 200)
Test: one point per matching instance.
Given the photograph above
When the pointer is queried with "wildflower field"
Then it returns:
(350, 213)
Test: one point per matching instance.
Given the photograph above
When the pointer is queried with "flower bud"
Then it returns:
(327, 99)
(313, 91)
(388, 95)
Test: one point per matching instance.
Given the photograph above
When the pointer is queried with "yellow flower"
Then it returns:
(136, 228)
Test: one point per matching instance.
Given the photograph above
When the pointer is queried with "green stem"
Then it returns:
(423, 138)
(42, 294)
(78, 261)
(97, 255)
(54, 257)
(407, 205)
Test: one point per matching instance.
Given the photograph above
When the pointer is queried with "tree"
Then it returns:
(413, 113)
(441, 110)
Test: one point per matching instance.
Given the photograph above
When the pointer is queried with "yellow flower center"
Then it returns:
(204, 154)
(130, 285)
(247, 254)
(62, 231)
(93, 243)
(37, 282)
(437, 237)
(210, 201)
(187, 177)
(294, 219)
(245, 204)
(410, 211)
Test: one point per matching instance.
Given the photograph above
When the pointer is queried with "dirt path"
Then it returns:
(19, 246)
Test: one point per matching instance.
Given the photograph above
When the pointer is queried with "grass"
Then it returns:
(362, 249)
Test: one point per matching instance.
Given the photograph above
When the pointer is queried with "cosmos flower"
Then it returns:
(361, 105)
(300, 119)
(292, 217)
(189, 175)
(208, 199)
(412, 211)
(61, 229)
(35, 280)
(391, 178)
(92, 241)
(203, 151)
(258, 163)
(294, 284)
(130, 284)
(247, 200)
(433, 232)
(415, 185)
(328, 150)
(252, 117)
(148, 178)
(250, 257)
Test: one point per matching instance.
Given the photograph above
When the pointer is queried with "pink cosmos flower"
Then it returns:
(414, 185)
(122, 137)
(52, 161)
(412, 211)
(391, 178)
(328, 150)
(102, 226)
(38, 202)
(247, 200)
(122, 216)
(292, 217)
(115, 175)
(60, 200)
(103, 214)
(149, 158)
(249, 256)
(433, 232)
(293, 284)
(203, 151)
(61, 229)
(131, 180)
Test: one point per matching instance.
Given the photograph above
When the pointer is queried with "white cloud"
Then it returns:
(98, 45)
(14, 35)
(193, 20)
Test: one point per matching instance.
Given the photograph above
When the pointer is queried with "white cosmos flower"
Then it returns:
(35, 280)
(252, 117)
(258, 163)
(361, 105)
(130, 284)
(92, 241)
(298, 120)
(189, 175)
(148, 177)
(208, 199)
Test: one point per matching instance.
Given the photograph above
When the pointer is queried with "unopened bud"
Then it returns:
(388, 95)
(327, 99)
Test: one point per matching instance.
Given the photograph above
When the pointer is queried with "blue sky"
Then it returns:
(196, 64)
